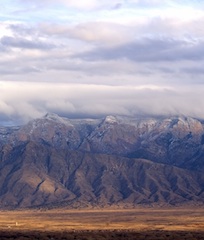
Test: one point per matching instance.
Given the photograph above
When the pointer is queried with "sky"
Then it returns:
(91, 58)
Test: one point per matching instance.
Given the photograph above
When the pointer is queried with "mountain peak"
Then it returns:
(110, 119)
(52, 116)
(56, 118)
(55, 160)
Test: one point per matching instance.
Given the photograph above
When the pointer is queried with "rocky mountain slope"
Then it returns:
(54, 161)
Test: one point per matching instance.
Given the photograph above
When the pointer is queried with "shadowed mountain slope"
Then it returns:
(113, 161)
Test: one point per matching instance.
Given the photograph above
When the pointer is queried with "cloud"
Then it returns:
(104, 33)
(84, 53)
(92, 58)
(82, 5)
(95, 4)
(24, 101)
(16, 42)
(149, 50)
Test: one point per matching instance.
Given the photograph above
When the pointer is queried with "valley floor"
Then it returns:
(147, 223)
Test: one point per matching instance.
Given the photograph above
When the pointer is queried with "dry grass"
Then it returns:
(133, 224)
(133, 219)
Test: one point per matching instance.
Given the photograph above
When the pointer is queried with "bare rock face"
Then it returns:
(54, 161)
(175, 141)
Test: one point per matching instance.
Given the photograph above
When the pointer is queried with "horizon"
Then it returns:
(101, 117)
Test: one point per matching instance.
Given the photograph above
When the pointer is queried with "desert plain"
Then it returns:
(140, 223)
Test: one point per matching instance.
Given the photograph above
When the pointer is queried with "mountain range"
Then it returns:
(115, 161)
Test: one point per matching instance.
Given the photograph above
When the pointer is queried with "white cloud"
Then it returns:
(82, 5)
(105, 33)
(30, 100)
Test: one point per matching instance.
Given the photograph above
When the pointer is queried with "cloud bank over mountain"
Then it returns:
(92, 58)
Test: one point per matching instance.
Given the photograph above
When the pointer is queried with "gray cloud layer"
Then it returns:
(92, 58)
(28, 101)
(16, 42)
(150, 50)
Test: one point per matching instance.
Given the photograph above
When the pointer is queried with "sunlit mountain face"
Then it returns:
(54, 161)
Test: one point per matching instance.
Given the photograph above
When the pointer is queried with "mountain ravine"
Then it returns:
(119, 161)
